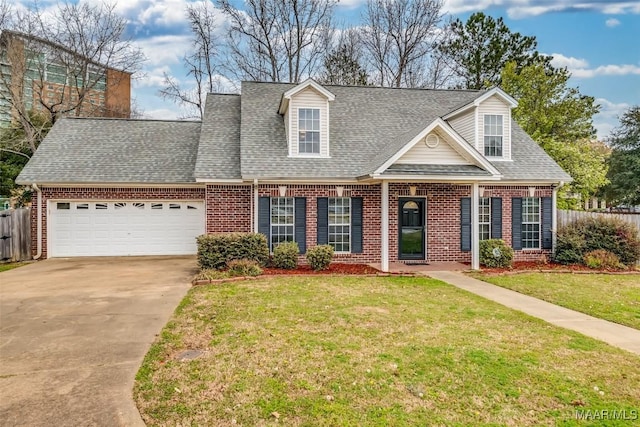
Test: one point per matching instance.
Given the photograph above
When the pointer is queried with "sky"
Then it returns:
(597, 40)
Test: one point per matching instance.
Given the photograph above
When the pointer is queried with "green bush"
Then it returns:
(217, 250)
(285, 255)
(319, 257)
(243, 267)
(495, 253)
(602, 259)
(590, 234)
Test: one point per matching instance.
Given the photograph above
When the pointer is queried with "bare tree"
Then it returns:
(202, 63)
(61, 62)
(398, 37)
(277, 40)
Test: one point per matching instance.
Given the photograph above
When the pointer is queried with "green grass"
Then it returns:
(11, 265)
(611, 297)
(349, 351)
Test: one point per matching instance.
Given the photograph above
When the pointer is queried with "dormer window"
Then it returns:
(309, 131)
(493, 133)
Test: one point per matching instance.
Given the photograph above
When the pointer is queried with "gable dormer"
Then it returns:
(486, 123)
(305, 109)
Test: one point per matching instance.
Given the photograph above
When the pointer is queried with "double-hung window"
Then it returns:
(531, 223)
(340, 223)
(282, 220)
(484, 223)
(309, 131)
(493, 132)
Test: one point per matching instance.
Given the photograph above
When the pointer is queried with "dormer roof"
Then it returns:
(496, 91)
(286, 97)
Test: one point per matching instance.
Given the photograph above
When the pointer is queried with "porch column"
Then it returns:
(255, 205)
(384, 229)
(554, 219)
(475, 241)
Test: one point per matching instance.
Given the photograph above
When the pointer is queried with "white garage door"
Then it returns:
(124, 228)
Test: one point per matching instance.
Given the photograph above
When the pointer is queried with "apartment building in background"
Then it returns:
(36, 74)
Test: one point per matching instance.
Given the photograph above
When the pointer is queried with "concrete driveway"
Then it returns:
(73, 333)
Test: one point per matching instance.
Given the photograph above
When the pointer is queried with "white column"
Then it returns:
(554, 219)
(255, 206)
(475, 241)
(384, 229)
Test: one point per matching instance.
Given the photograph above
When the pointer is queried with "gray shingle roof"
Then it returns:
(219, 149)
(364, 122)
(529, 161)
(115, 151)
(463, 170)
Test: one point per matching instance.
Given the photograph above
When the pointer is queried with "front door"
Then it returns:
(411, 216)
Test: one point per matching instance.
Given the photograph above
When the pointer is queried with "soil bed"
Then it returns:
(334, 268)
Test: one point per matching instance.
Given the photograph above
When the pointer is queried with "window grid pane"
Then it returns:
(282, 220)
(531, 223)
(493, 135)
(484, 220)
(309, 130)
(340, 223)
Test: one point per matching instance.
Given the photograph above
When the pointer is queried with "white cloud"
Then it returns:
(152, 78)
(163, 50)
(518, 9)
(351, 4)
(607, 119)
(612, 22)
(162, 114)
(560, 61)
(580, 67)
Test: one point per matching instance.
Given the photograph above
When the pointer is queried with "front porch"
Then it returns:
(400, 268)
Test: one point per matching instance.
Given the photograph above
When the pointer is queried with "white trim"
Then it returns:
(475, 238)
(384, 257)
(459, 145)
(286, 97)
(328, 133)
(219, 181)
(479, 100)
(256, 204)
(433, 178)
(476, 117)
(554, 219)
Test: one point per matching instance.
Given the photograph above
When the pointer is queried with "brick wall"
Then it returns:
(371, 242)
(229, 208)
(125, 193)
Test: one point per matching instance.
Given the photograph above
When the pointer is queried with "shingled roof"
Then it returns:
(243, 137)
(82, 150)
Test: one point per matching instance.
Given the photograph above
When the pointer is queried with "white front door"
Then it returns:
(106, 228)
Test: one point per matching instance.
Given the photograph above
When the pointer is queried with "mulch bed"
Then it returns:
(334, 268)
(533, 266)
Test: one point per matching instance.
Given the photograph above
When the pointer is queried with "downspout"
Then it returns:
(255, 205)
(39, 216)
(554, 216)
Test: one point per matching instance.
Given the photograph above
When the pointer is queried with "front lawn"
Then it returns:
(611, 297)
(347, 351)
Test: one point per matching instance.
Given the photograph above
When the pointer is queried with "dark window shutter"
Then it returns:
(516, 223)
(300, 232)
(264, 217)
(323, 221)
(465, 224)
(496, 218)
(547, 212)
(356, 225)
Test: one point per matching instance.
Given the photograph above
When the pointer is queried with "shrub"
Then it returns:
(319, 257)
(217, 250)
(602, 259)
(285, 255)
(495, 253)
(589, 234)
(243, 267)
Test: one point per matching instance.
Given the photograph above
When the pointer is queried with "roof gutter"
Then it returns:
(39, 216)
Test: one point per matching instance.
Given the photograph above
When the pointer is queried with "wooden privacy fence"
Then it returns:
(567, 217)
(15, 235)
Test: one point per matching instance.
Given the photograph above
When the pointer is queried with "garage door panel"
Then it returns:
(125, 228)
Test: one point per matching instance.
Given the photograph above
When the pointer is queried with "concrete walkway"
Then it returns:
(612, 333)
(73, 333)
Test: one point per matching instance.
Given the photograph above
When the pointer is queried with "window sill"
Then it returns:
(498, 159)
(308, 156)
